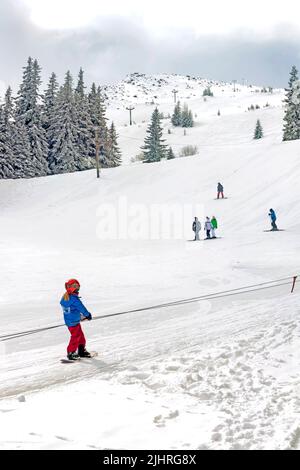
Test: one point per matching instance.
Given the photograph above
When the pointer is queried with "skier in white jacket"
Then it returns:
(208, 227)
(196, 228)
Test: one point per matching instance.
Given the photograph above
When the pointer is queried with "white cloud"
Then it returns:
(161, 16)
(118, 44)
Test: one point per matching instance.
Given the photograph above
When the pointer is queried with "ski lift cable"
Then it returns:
(214, 296)
(167, 304)
(217, 295)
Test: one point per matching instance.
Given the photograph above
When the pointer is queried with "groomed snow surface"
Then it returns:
(219, 374)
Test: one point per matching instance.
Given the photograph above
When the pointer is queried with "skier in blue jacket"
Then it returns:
(273, 218)
(74, 312)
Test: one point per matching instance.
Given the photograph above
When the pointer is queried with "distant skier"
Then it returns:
(220, 190)
(196, 228)
(273, 218)
(214, 224)
(75, 312)
(208, 228)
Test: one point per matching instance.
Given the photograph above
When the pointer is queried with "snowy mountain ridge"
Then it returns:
(142, 88)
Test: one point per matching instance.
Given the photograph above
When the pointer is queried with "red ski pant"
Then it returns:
(220, 194)
(77, 338)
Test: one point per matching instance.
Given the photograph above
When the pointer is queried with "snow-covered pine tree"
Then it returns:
(154, 148)
(258, 133)
(170, 154)
(28, 113)
(208, 92)
(97, 107)
(86, 133)
(6, 139)
(49, 100)
(177, 115)
(104, 147)
(24, 97)
(187, 117)
(64, 155)
(19, 158)
(114, 153)
(97, 113)
(24, 161)
(291, 130)
(8, 107)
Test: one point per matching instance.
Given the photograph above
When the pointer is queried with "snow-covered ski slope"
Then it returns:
(219, 374)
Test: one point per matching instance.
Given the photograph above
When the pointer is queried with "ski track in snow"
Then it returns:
(251, 403)
(248, 386)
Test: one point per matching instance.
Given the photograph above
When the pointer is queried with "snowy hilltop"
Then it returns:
(139, 88)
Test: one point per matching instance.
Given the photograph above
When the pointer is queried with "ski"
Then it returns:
(68, 361)
(279, 230)
(204, 239)
(93, 354)
(216, 238)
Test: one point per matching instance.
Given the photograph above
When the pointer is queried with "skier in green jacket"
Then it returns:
(214, 224)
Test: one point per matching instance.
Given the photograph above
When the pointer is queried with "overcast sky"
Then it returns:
(223, 40)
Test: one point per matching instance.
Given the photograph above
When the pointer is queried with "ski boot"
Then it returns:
(82, 352)
(73, 356)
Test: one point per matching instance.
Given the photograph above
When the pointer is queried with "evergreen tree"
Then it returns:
(97, 113)
(187, 117)
(176, 118)
(28, 113)
(49, 116)
(6, 154)
(114, 153)
(64, 155)
(16, 160)
(8, 107)
(182, 118)
(24, 99)
(49, 99)
(154, 149)
(86, 133)
(291, 130)
(24, 161)
(258, 134)
(80, 89)
(97, 108)
(170, 154)
(208, 92)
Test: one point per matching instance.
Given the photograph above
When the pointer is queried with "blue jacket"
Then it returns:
(73, 309)
(273, 216)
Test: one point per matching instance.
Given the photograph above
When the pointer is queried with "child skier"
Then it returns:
(214, 224)
(75, 312)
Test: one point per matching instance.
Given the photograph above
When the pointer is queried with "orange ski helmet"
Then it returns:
(72, 286)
